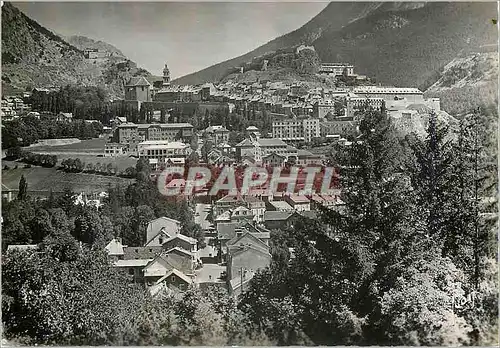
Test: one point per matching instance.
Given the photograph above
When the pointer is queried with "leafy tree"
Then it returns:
(423, 296)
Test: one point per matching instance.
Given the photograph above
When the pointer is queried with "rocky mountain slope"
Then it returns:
(82, 42)
(34, 56)
(333, 18)
(468, 81)
(409, 47)
(403, 44)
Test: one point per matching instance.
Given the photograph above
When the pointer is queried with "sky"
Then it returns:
(188, 36)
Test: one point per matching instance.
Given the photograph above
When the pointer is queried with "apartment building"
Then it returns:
(131, 134)
(336, 69)
(296, 130)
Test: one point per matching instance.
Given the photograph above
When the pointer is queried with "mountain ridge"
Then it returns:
(381, 39)
(34, 56)
(335, 15)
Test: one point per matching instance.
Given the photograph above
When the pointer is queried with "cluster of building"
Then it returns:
(299, 113)
(13, 107)
(170, 262)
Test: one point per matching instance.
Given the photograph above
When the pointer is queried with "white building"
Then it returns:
(336, 69)
(162, 151)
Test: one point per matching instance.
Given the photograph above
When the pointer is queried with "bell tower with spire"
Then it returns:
(166, 76)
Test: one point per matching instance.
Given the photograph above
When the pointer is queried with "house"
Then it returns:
(114, 149)
(274, 220)
(183, 260)
(230, 230)
(274, 160)
(22, 247)
(141, 252)
(226, 231)
(157, 268)
(138, 89)
(7, 193)
(245, 238)
(64, 117)
(298, 202)
(115, 249)
(283, 220)
(243, 261)
(134, 268)
(258, 207)
(278, 206)
(159, 230)
(175, 281)
(180, 241)
(218, 134)
(305, 158)
(228, 202)
(241, 212)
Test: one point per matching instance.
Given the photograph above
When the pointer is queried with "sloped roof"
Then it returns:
(182, 237)
(271, 142)
(178, 273)
(187, 253)
(304, 153)
(234, 241)
(244, 142)
(161, 231)
(273, 154)
(276, 215)
(133, 263)
(114, 247)
(137, 81)
(241, 208)
(231, 198)
(281, 205)
(239, 250)
(225, 216)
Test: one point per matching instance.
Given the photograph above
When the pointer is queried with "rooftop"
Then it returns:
(137, 81)
(276, 215)
(133, 263)
(281, 205)
(264, 142)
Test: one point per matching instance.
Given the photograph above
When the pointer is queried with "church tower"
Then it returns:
(166, 76)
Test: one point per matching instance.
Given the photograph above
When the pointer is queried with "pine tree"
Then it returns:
(23, 189)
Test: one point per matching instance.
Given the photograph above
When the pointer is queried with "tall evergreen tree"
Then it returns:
(23, 189)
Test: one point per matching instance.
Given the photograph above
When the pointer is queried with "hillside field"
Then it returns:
(88, 151)
(42, 180)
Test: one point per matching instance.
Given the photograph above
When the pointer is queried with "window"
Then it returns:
(131, 270)
(172, 278)
(161, 240)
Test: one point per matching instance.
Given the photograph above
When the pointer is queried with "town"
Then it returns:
(237, 228)
(301, 194)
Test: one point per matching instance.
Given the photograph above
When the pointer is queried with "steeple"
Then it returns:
(166, 76)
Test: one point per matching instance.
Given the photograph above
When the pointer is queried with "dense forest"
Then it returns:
(28, 130)
(419, 230)
(89, 103)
